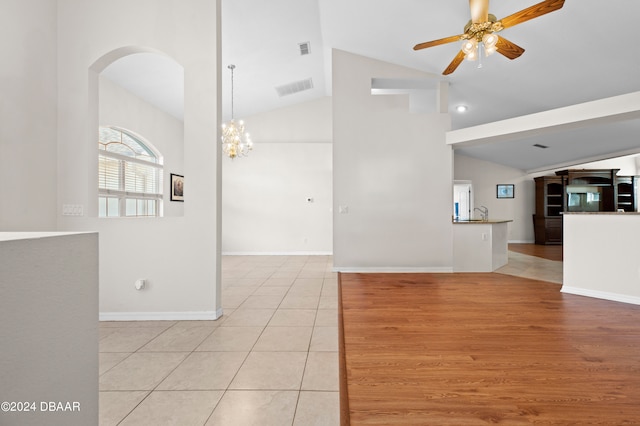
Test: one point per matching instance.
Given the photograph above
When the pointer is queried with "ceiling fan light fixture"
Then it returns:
(473, 55)
(469, 46)
(491, 51)
(479, 32)
(490, 40)
(470, 49)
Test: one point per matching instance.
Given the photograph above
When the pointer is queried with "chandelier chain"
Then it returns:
(231, 67)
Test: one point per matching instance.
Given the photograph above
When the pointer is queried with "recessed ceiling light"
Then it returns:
(461, 108)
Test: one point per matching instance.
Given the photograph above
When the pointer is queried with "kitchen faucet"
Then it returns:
(484, 213)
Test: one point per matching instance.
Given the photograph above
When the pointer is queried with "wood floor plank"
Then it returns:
(550, 252)
(458, 349)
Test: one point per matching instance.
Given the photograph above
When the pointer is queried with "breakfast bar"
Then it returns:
(479, 245)
(601, 255)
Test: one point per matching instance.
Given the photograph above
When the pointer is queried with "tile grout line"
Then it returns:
(253, 346)
(306, 361)
(175, 326)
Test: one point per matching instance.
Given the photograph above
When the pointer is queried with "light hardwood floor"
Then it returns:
(475, 349)
(550, 252)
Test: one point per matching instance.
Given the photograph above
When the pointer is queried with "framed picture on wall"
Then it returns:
(504, 191)
(177, 187)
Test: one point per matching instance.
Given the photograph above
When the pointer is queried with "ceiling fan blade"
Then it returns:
(479, 11)
(454, 64)
(508, 49)
(532, 12)
(437, 42)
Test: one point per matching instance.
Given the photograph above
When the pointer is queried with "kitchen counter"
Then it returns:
(480, 248)
(480, 222)
(604, 213)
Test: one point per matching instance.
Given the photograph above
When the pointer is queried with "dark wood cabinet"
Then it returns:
(584, 190)
(626, 193)
(589, 190)
(547, 220)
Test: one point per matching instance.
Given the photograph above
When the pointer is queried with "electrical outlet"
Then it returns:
(72, 210)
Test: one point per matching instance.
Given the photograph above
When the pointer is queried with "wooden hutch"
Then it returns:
(573, 190)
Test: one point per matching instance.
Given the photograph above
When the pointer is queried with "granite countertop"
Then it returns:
(601, 213)
(482, 222)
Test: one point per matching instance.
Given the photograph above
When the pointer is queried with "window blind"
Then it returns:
(129, 176)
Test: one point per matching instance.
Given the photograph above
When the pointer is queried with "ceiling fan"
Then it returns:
(480, 32)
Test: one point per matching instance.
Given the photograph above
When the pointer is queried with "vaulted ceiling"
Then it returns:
(583, 52)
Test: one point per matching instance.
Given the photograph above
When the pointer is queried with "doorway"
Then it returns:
(462, 199)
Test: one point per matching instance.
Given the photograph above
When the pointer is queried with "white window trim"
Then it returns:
(122, 195)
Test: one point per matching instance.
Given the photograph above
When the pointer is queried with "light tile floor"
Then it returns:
(272, 359)
(532, 267)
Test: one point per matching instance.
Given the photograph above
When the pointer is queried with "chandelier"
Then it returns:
(235, 142)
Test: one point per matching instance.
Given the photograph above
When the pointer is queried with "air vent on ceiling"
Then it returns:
(537, 145)
(295, 87)
(304, 48)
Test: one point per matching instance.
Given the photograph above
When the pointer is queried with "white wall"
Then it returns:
(179, 256)
(485, 176)
(601, 256)
(627, 165)
(306, 122)
(121, 108)
(264, 203)
(392, 170)
(49, 326)
(28, 115)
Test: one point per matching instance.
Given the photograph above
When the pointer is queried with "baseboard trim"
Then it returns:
(277, 253)
(521, 242)
(160, 316)
(392, 270)
(615, 297)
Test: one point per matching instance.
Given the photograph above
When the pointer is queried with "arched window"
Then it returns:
(129, 175)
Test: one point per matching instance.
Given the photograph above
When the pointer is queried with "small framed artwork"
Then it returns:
(504, 191)
(177, 187)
